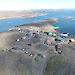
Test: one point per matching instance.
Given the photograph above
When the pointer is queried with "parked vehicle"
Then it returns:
(43, 56)
(40, 55)
(30, 43)
(31, 55)
(26, 52)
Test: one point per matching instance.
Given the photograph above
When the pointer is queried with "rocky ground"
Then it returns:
(17, 62)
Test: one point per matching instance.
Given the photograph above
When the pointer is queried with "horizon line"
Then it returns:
(35, 9)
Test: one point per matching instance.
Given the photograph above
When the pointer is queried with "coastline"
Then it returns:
(39, 25)
(6, 36)
(24, 14)
(31, 15)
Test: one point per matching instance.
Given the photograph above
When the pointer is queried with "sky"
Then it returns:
(36, 4)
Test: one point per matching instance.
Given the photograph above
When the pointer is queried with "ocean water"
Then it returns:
(65, 24)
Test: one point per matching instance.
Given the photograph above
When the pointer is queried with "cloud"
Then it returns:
(11, 6)
(35, 5)
(21, 6)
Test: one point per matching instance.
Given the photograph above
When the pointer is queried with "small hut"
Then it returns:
(37, 35)
(19, 29)
(23, 38)
(42, 31)
(58, 39)
(71, 40)
(47, 42)
(64, 35)
(54, 35)
(18, 40)
(59, 48)
(48, 33)
(30, 43)
(29, 34)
